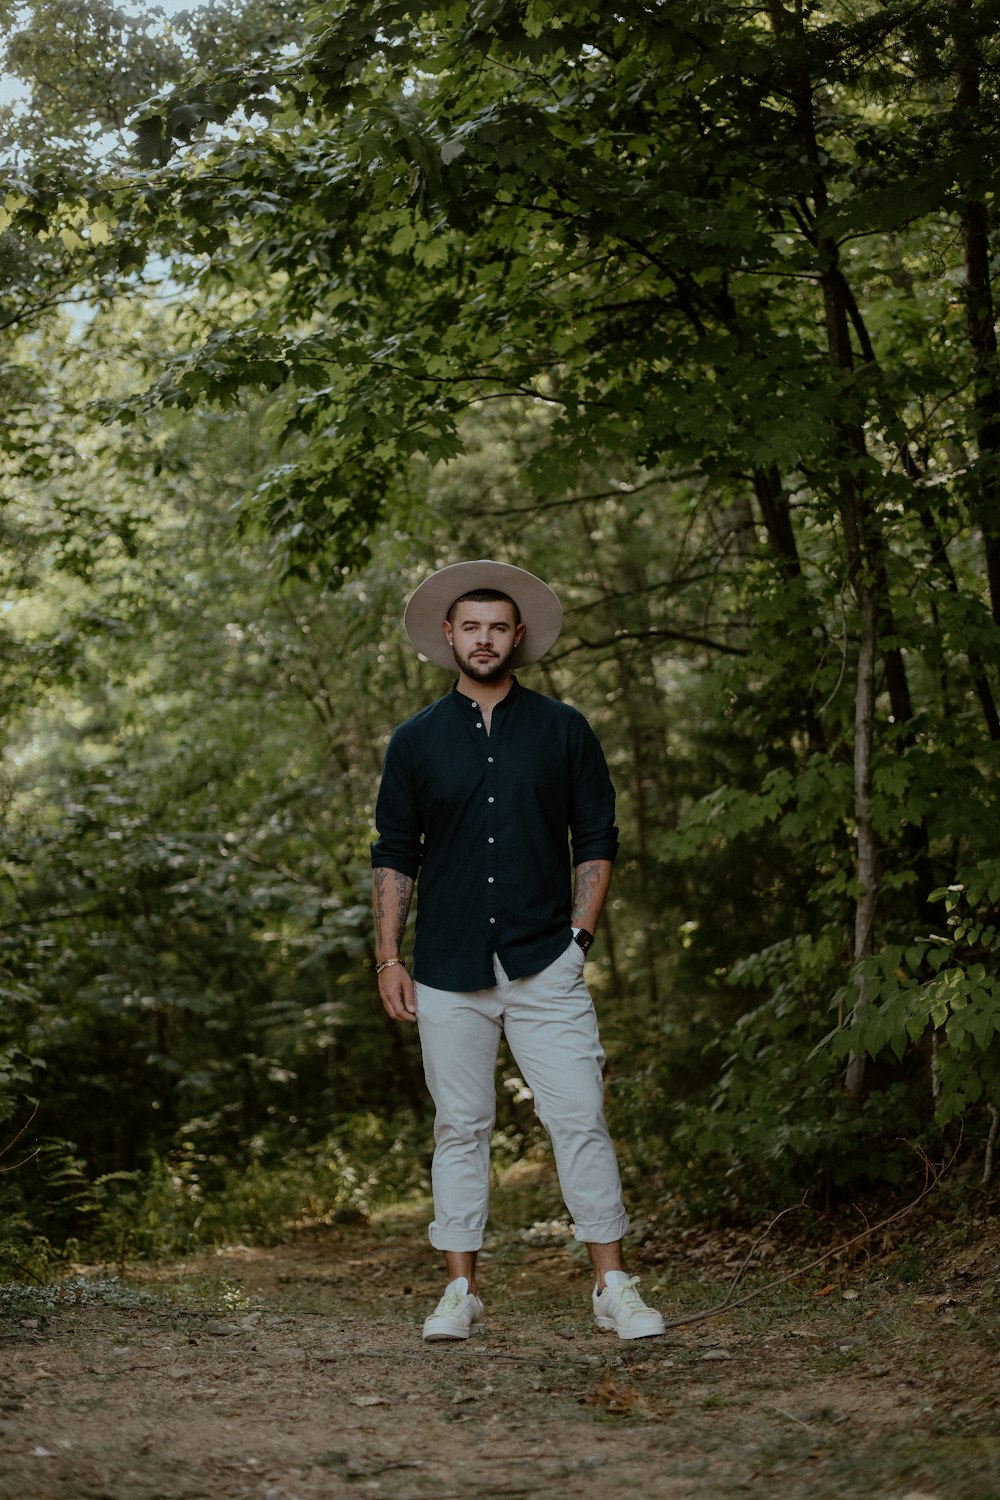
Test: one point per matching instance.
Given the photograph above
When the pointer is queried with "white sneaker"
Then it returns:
(458, 1314)
(619, 1309)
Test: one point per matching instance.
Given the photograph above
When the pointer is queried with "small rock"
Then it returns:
(220, 1328)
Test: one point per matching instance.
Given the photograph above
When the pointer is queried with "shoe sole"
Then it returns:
(605, 1325)
(452, 1335)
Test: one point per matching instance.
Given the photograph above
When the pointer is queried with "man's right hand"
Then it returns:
(396, 992)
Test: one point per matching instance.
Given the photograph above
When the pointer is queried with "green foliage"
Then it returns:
(417, 163)
(16, 1077)
(192, 1201)
(678, 307)
(776, 1124)
(943, 987)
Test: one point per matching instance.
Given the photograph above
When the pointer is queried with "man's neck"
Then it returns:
(486, 694)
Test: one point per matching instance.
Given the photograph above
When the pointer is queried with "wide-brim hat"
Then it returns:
(428, 606)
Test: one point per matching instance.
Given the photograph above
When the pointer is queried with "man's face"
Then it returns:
(483, 637)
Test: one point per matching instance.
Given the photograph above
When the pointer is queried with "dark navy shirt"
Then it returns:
(488, 822)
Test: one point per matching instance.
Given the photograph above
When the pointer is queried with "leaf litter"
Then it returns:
(127, 1389)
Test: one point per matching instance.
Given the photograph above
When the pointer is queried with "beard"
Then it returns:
(482, 668)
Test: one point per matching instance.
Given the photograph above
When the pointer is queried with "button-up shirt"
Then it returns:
(488, 821)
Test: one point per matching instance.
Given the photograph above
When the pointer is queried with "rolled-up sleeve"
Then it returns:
(592, 807)
(397, 821)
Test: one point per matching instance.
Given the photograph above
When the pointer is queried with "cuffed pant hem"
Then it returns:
(454, 1239)
(605, 1233)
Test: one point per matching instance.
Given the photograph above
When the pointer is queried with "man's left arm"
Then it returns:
(592, 829)
(590, 890)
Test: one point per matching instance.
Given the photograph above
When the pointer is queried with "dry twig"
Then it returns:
(13, 1142)
(728, 1304)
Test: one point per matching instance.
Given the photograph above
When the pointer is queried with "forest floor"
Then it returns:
(298, 1372)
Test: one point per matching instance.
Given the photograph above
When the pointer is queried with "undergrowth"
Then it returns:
(54, 1214)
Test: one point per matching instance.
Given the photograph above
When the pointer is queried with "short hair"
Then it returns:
(484, 596)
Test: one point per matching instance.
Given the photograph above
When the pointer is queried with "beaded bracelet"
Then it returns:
(387, 963)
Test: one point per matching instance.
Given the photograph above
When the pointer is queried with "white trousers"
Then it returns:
(551, 1029)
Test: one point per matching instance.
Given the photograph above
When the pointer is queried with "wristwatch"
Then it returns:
(583, 937)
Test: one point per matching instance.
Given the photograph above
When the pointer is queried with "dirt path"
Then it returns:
(298, 1373)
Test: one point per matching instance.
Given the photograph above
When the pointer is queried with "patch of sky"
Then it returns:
(14, 91)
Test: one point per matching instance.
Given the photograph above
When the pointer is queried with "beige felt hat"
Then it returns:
(428, 606)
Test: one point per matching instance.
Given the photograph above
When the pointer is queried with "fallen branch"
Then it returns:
(728, 1304)
(18, 1266)
(14, 1140)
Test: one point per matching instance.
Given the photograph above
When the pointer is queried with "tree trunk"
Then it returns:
(863, 544)
(777, 517)
(864, 832)
(979, 309)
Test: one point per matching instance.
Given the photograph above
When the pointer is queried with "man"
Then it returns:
(482, 794)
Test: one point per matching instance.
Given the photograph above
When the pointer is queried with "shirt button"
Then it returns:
(492, 919)
(479, 726)
(490, 759)
(491, 799)
(489, 841)
(489, 879)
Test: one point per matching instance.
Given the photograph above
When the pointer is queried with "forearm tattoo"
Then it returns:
(391, 893)
(586, 888)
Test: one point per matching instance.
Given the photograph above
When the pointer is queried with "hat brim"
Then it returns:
(428, 606)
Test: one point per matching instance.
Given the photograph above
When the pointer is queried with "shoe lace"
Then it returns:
(451, 1301)
(629, 1297)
